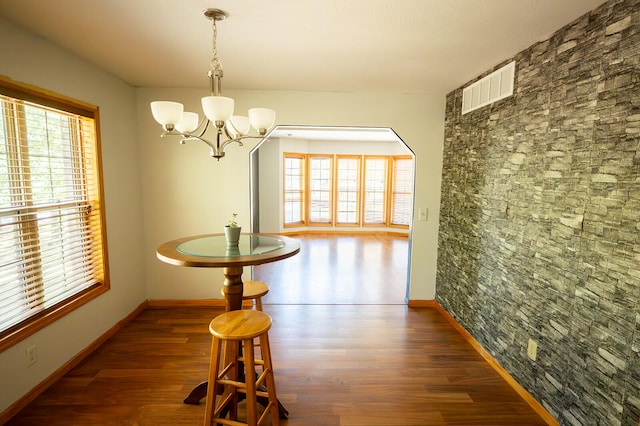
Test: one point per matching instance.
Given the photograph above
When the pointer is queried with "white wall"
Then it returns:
(186, 192)
(33, 60)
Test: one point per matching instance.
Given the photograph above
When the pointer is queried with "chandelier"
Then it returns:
(218, 110)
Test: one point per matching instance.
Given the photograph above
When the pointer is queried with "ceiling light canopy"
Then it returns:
(218, 110)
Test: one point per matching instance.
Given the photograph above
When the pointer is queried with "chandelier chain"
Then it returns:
(215, 62)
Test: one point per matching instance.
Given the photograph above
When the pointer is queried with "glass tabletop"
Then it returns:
(216, 246)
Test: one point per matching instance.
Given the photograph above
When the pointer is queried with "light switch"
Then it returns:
(422, 214)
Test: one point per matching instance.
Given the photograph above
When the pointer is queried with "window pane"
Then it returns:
(50, 161)
(375, 187)
(348, 172)
(294, 190)
(320, 189)
(401, 191)
(13, 303)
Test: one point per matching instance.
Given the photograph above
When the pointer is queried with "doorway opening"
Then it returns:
(364, 261)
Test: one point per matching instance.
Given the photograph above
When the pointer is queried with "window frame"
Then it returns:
(385, 213)
(358, 191)
(308, 190)
(97, 285)
(303, 192)
(392, 189)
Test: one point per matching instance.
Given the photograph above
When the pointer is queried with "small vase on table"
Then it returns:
(232, 231)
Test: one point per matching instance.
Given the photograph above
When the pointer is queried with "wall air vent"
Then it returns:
(495, 86)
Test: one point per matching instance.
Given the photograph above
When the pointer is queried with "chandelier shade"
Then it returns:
(262, 118)
(218, 111)
(238, 125)
(217, 108)
(167, 113)
(188, 123)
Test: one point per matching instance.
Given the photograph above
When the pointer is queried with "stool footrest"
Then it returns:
(229, 422)
(264, 415)
(262, 376)
(225, 370)
(223, 403)
(240, 385)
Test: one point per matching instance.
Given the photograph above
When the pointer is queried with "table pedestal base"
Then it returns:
(200, 391)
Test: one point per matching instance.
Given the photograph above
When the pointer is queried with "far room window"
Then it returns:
(320, 189)
(401, 191)
(53, 254)
(294, 189)
(375, 190)
(348, 192)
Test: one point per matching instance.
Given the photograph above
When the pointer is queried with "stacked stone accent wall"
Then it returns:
(540, 219)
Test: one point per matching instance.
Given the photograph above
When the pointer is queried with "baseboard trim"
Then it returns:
(421, 303)
(333, 231)
(30, 396)
(191, 303)
(533, 403)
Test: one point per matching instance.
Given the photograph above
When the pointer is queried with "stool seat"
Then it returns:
(240, 325)
(253, 290)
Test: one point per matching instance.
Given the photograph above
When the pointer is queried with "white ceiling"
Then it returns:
(406, 46)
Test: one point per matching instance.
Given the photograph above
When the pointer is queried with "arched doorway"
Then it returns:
(389, 251)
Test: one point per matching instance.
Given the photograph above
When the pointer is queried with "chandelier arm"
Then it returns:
(187, 138)
(206, 123)
(225, 143)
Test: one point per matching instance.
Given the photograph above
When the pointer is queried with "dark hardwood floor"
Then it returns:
(335, 364)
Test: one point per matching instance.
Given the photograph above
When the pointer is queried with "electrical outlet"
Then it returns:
(532, 349)
(31, 354)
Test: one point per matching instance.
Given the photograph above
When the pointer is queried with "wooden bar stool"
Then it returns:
(253, 290)
(230, 331)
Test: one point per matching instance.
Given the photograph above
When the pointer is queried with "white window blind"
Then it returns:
(52, 248)
(348, 179)
(375, 190)
(320, 183)
(294, 189)
(401, 191)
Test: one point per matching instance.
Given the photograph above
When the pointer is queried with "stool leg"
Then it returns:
(265, 349)
(259, 304)
(214, 367)
(234, 374)
(250, 379)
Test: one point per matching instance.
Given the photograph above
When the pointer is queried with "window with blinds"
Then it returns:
(294, 189)
(320, 184)
(375, 190)
(348, 190)
(52, 237)
(402, 191)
